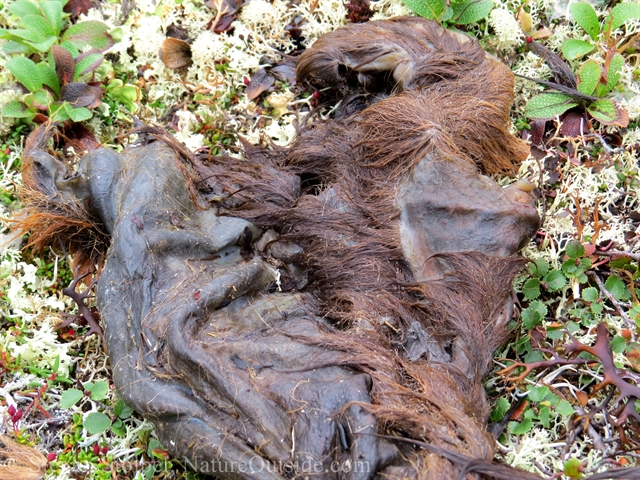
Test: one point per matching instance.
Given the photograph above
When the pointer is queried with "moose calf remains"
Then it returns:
(325, 310)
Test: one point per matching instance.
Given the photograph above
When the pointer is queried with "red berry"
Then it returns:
(246, 81)
(51, 456)
(529, 39)
(96, 449)
(316, 95)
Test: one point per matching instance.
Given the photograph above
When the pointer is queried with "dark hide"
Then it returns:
(351, 287)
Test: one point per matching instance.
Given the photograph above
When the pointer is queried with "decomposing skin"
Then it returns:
(348, 288)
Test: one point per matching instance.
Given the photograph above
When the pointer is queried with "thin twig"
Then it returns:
(618, 253)
(595, 436)
(615, 303)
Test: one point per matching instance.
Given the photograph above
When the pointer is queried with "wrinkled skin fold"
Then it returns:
(283, 331)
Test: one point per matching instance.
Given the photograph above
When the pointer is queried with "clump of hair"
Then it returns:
(20, 462)
(53, 216)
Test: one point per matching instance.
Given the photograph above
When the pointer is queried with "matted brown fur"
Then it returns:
(334, 192)
(52, 217)
(20, 462)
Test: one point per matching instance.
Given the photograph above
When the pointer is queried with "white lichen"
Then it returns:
(384, 9)
(508, 32)
(185, 131)
(327, 16)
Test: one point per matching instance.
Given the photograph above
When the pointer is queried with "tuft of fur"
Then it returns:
(450, 94)
(54, 217)
(20, 462)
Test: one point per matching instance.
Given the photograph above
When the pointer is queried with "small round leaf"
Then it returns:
(70, 397)
(573, 49)
(96, 422)
(575, 249)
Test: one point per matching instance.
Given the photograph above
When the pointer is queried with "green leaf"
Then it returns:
(543, 416)
(530, 318)
(622, 13)
(551, 399)
(96, 422)
(70, 397)
(28, 35)
(608, 112)
(617, 288)
(128, 95)
(555, 280)
(446, 15)
(22, 8)
(16, 109)
(98, 390)
(500, 408)
(596, 308)
(56, 364)
(613, 74)
(39, 100)
(53, 12)
(38, 25)
(522, 427)
(572, 468)
(575, 249)
(71, 48)
(537, 394)
(15, 48)
(585, 16)
(573, 268)
(26, 72)
(618, 344)
(119, 428)
(122, 410)
(589, 76)
(49, 77)
(470, 11)
(534, 356)
(590, 294)
(58, 112)
(91, 33)
(549, 105)
(539, 307)
(430, 9)
(564, 408)
(534, 314)
(555, 333)
(573, 49)
(531, 288)
(87, 64)
(153, 444)
(42, 46)
(538, 267)
(77, 114)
